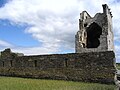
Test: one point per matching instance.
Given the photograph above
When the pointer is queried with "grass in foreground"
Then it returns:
(10, 83)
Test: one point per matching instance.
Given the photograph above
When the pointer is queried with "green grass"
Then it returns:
(10, 83)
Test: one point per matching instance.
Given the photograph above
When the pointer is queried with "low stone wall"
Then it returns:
(87, 67)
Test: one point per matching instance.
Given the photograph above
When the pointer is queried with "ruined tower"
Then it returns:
(95, 33)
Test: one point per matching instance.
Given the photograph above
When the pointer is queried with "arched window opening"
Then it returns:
(93, 34)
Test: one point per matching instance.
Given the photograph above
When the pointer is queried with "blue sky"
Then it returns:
(48, 26)
(2, 2)
(8, 32)
(15, 34)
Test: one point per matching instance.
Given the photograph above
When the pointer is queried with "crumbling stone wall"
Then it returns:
(86, 67)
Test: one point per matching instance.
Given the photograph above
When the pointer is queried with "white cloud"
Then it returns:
(5, 44)
(54, 22)
(34, 50)
(51, 22)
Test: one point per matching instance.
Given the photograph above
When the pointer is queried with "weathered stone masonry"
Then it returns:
(91, 66)
(94, 60)
(95, 33)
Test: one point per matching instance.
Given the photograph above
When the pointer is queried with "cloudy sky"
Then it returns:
(48, 26)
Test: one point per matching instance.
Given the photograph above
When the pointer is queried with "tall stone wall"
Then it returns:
(86, 67)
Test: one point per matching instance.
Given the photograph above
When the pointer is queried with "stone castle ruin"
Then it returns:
(95, 33)
(94, 60)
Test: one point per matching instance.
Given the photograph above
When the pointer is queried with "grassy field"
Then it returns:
(10, 83)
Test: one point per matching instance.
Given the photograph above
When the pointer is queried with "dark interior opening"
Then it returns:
(66, 62)
(85, 24)
(3, 63)
(83, 45)
(35, 63)
(11, 64)
(93, 34)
